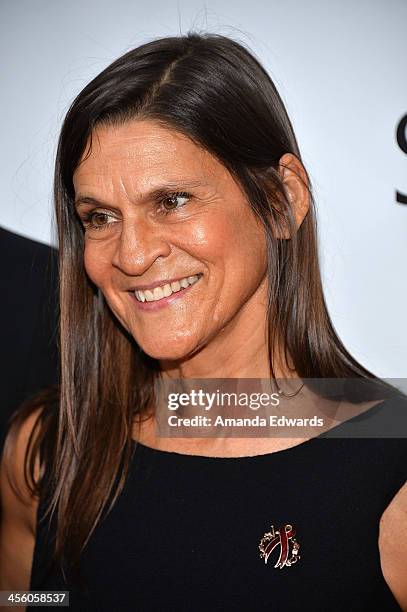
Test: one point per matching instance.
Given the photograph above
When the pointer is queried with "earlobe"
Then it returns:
(295, 180)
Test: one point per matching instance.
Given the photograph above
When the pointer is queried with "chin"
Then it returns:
(174, 350)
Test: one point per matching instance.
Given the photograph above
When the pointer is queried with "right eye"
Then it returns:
(89, 220)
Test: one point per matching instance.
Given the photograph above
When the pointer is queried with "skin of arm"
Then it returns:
(393, 546)
(18, 518)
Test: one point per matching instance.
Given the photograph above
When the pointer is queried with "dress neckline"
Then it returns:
(211, 458)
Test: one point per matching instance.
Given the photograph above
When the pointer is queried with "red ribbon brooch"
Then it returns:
(281, 538)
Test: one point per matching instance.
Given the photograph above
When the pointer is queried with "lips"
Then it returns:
(162, 282)
(157, 304)
(165, 290)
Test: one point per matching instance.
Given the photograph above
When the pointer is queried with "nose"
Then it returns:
(139, 245)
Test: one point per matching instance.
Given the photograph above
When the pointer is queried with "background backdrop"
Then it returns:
(340, 68)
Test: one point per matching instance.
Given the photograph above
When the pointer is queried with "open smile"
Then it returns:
(153, 301)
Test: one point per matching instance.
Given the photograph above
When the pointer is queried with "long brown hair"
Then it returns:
(216, 92)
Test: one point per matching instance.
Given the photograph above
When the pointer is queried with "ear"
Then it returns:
(294, 177)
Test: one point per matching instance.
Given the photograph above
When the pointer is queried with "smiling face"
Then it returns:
(157, 208)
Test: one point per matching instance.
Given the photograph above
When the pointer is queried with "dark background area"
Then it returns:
(29, 321)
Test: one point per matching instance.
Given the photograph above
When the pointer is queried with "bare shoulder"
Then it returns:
(393, 546)
(18, 508)
(22, 502)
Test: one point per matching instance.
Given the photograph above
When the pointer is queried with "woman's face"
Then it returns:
(163, 209)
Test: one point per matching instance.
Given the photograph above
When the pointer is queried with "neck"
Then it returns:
(239, 350)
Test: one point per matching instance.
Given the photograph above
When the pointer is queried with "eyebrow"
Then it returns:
(153, 194)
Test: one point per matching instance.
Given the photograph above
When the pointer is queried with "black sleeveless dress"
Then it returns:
(185, 532)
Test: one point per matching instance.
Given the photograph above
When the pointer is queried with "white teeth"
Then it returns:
(140, 296)
(158, 293)
(152, 295)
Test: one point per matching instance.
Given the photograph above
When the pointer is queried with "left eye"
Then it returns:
(172, 200)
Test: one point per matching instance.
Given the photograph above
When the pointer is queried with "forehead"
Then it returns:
(144, 150)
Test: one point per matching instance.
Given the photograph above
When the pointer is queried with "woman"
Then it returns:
(177, 167)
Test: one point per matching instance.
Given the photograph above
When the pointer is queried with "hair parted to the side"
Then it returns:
(213, 90)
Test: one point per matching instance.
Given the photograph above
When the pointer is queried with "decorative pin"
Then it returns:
(282, 538)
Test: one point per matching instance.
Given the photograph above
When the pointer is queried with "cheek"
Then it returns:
(224, 236)
(97, 264)
(235, 249)
(243, 249)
